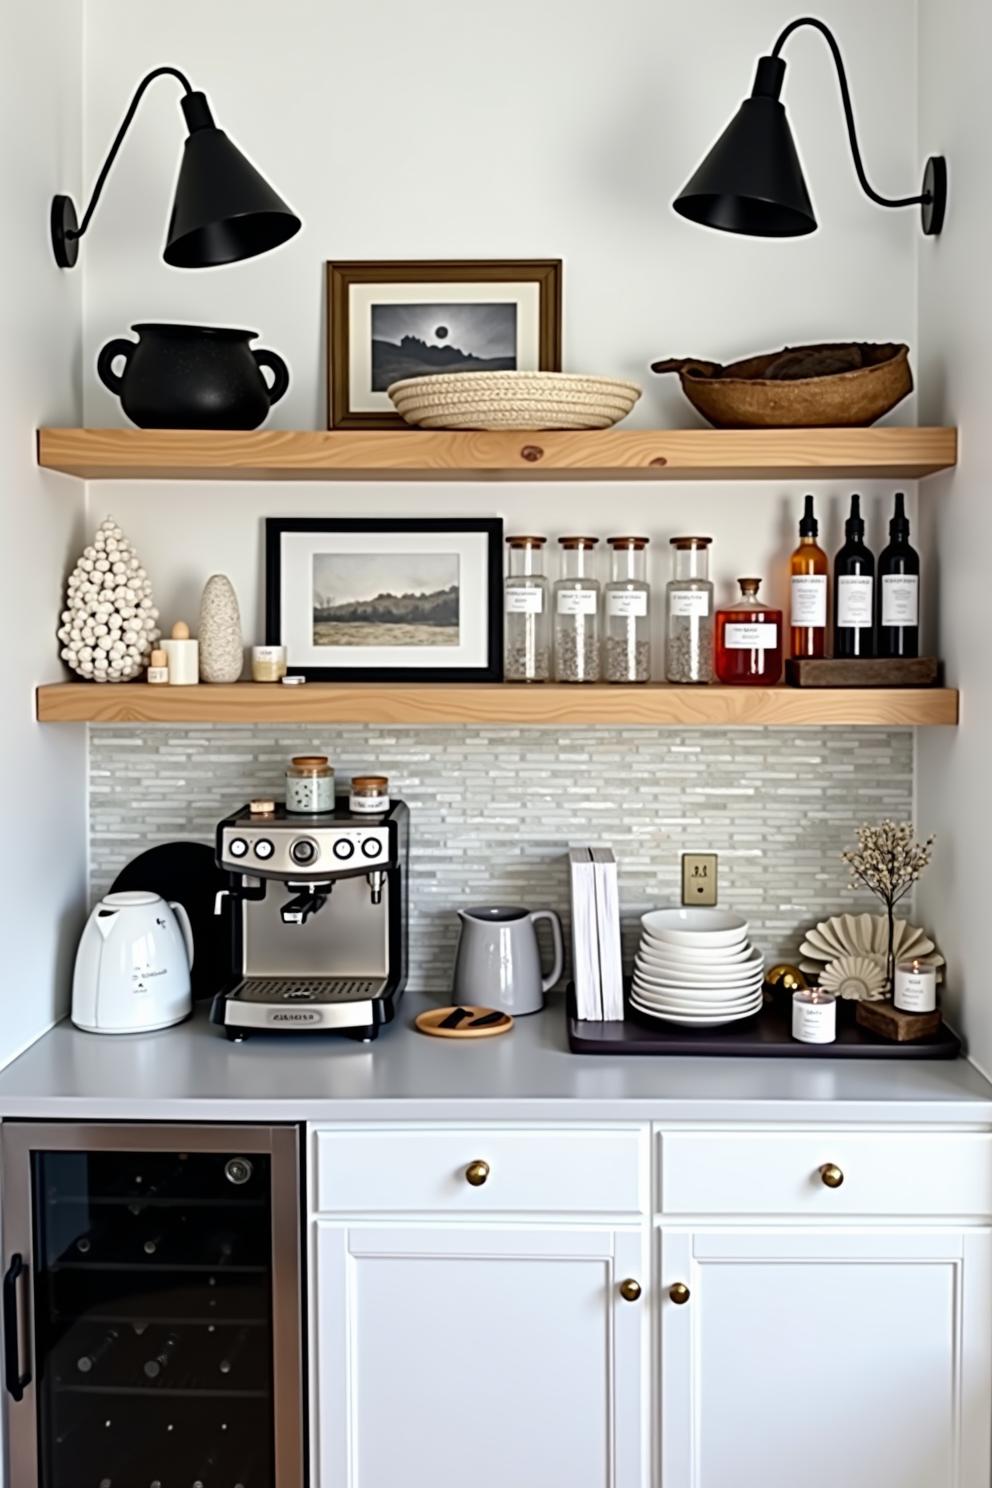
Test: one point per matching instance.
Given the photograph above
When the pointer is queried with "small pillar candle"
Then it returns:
(814, 1016)
(916, 987)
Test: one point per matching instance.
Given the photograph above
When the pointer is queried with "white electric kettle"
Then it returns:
(132, 966)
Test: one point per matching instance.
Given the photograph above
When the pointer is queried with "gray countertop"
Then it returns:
(191, 1073)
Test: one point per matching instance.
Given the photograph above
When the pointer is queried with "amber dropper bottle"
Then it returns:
(809, 568)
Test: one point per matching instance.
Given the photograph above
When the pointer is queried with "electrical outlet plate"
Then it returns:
(699, 878)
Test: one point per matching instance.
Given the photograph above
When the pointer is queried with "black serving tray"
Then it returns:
(768, 1035)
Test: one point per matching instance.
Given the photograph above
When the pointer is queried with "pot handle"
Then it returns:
(279, 370)
(119, 347)
(559, 964)
(179, 910)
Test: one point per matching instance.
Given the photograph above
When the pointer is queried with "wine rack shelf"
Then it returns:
(137, 703)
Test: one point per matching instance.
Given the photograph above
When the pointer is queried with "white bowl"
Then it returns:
(701, 1005)
(687, 1020)
(693, 1009)
(693, 955)
(717, 985)
(695, 927)
(718, 973)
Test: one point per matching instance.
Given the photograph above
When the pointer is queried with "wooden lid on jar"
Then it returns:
(577, 542)
(690, 542)
(377, 783)
(749, 586)
(523, 540)
(638, 543)
(311, 764)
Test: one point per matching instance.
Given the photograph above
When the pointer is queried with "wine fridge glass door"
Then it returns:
(149, 1324)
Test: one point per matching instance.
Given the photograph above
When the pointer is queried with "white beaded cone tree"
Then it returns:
(108, 625)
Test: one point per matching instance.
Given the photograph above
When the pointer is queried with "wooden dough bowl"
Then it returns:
(835, 385)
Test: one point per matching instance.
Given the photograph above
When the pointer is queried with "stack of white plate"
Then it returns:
(696, 967)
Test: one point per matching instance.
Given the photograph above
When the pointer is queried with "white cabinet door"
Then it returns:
(500, 1357)
(826, 1359)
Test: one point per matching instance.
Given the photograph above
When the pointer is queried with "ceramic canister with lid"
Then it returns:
(369, 795)
(310, 784)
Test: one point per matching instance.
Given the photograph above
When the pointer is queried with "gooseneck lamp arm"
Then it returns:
(223, 209)
(927, 195)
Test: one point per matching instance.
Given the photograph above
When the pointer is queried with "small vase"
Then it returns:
(221, 647)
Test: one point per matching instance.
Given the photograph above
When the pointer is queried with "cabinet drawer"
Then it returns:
(540, 1171)
(909, 1173)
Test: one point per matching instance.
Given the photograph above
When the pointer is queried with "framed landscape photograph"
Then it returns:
(386, 600)
(390, 320)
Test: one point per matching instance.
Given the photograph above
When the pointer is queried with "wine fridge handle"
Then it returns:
(15, 1381)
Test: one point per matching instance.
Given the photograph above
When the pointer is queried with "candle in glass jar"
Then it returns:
(916, 987)
(814, 1016)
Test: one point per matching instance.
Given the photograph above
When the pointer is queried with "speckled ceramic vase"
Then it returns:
(221, 647)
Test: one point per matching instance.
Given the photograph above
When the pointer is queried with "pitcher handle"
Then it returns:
(179, 910)
(559, 946)
(279, 370)
(119, 347)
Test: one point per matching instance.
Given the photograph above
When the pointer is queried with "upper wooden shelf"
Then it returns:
(495, 703)
(410, 454)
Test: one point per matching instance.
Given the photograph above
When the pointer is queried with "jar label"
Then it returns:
(578, 601)
(759, 636)
(900, 599)
(809, 600)
(369, 804)
(626, 602)
(683, 602)
(524, 601)
(855, 595)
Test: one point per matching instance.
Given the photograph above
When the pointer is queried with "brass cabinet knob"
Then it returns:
(630, 1289)
(831, 1175)
(476, 1173)
(679, 1293)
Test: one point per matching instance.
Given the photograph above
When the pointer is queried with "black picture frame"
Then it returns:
(491, 527)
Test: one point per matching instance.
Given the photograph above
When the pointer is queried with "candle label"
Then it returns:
(916, 991)
(814, 1022)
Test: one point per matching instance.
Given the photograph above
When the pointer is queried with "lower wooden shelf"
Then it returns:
(496, 703)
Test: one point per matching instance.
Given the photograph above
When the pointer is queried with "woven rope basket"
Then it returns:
(513, 400)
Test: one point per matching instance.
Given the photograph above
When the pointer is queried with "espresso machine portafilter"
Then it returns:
(316, 908)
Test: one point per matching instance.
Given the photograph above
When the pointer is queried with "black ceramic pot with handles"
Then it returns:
(192, 377)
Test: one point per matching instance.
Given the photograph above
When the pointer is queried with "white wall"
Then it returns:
(42, 867)
(954, 790)
(522, 129)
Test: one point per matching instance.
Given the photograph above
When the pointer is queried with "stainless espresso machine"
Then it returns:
(317, 908)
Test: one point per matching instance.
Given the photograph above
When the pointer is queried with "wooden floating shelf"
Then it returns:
(401, 454)
(496, 703)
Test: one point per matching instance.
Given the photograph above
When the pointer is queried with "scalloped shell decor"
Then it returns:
(865, 935)
(108, 625)
(856, 978)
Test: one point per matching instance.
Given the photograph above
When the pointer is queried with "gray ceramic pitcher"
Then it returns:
(499, 961)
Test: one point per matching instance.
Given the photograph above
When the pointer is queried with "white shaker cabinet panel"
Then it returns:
(496, 1357)
(824, 1358)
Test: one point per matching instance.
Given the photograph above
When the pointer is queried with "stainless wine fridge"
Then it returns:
(151, 1306)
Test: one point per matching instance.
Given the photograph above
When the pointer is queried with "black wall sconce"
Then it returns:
(752, 180)
(223, 210)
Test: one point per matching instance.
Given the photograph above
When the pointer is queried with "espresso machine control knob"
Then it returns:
(344, 848)
(237, 847)
(372, 847)
(264, 848)
(304, 851)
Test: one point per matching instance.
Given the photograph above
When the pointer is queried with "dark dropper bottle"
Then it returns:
(898, 600)
(854, 591)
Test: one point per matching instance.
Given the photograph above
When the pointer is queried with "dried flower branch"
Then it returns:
(888, 861)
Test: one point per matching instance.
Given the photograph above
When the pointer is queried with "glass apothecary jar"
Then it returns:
(576, 607)
(310, 784)
(526, 612)
(627, 612)
(689, 613)
(749, 640)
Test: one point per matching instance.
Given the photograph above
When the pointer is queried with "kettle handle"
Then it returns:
(179, 910)
(279, 370)
(119, 347)
(559, 947)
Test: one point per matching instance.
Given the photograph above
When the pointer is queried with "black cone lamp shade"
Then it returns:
(752, 180)
(223, 209)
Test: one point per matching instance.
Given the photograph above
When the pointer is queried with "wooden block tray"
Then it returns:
(768, 1035)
